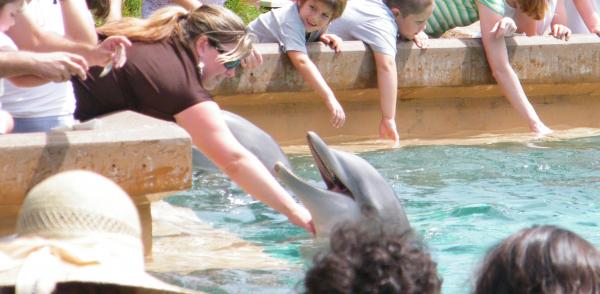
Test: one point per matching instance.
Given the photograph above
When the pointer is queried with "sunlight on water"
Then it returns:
(462, 199)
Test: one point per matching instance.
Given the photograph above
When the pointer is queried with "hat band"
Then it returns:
(62, 221)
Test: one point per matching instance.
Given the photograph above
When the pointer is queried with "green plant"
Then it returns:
(248, 12)
(132, 8)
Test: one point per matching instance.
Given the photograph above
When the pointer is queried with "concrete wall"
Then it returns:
(147, 157)
(445, 90)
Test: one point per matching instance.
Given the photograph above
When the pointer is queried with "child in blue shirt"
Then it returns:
(292, 27)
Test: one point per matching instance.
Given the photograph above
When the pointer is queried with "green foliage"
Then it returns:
(248, 12)
(132, 8)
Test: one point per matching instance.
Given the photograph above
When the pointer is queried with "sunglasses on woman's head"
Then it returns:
(229, 64)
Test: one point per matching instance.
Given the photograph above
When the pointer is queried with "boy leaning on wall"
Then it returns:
(294, 25)
(379, 23)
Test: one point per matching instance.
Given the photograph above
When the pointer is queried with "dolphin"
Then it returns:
(252, 138)
(355, 191)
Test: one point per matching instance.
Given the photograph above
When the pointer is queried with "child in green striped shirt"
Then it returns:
(448, 14)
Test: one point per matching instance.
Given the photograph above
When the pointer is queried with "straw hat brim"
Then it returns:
(101, 275)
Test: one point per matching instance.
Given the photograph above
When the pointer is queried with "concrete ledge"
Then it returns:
(145, 156)
(447, 62)
(141, 154)
(562, 80)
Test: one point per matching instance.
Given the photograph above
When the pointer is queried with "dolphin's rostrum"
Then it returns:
(355, 191)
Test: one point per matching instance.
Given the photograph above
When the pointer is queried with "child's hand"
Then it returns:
(561, 32)
(596, 30)
(387, 129)
(332, 41)
(253, 60)
(338, 117)
(421, 40)
(504, 28)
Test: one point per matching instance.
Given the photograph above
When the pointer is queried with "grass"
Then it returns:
(248, 12)
(132, 8)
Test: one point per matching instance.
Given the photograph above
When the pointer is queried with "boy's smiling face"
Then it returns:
(315, 15)
(412, 24)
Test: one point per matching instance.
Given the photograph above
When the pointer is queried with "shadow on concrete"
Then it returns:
(52, 157)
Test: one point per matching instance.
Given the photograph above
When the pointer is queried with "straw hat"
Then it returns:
(80, 227)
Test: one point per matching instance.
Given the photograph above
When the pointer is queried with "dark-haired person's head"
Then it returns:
(363, 260)
(540, 259)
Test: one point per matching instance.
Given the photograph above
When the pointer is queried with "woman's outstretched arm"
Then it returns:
(204, 122)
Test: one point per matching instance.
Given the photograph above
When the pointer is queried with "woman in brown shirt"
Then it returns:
(175, 57)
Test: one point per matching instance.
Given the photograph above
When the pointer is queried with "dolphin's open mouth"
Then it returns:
(333, 183)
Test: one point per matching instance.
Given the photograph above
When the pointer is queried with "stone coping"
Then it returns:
(447, 62)
(141, 154)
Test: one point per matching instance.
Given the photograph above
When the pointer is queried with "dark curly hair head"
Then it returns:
(363, 259)
(541, 259)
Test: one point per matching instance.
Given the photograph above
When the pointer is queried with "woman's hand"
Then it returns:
(332, 41)
(302, 218)
(338, 117)
(561, 32)
(505, 27)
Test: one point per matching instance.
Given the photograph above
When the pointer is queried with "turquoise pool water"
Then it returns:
(462, 199)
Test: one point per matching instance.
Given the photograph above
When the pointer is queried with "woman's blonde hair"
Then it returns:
(215, 22)
(535, 9)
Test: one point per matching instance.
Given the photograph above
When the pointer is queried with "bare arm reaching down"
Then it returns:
(204, 122)
(589, 15)
(507, 79)
(387, 80)
(313, 77)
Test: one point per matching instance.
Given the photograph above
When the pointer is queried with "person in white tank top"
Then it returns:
(547, 19)
(583, 16)
(41, 108)
(7, 9)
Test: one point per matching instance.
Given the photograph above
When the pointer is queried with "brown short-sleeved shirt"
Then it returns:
(160, 79)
